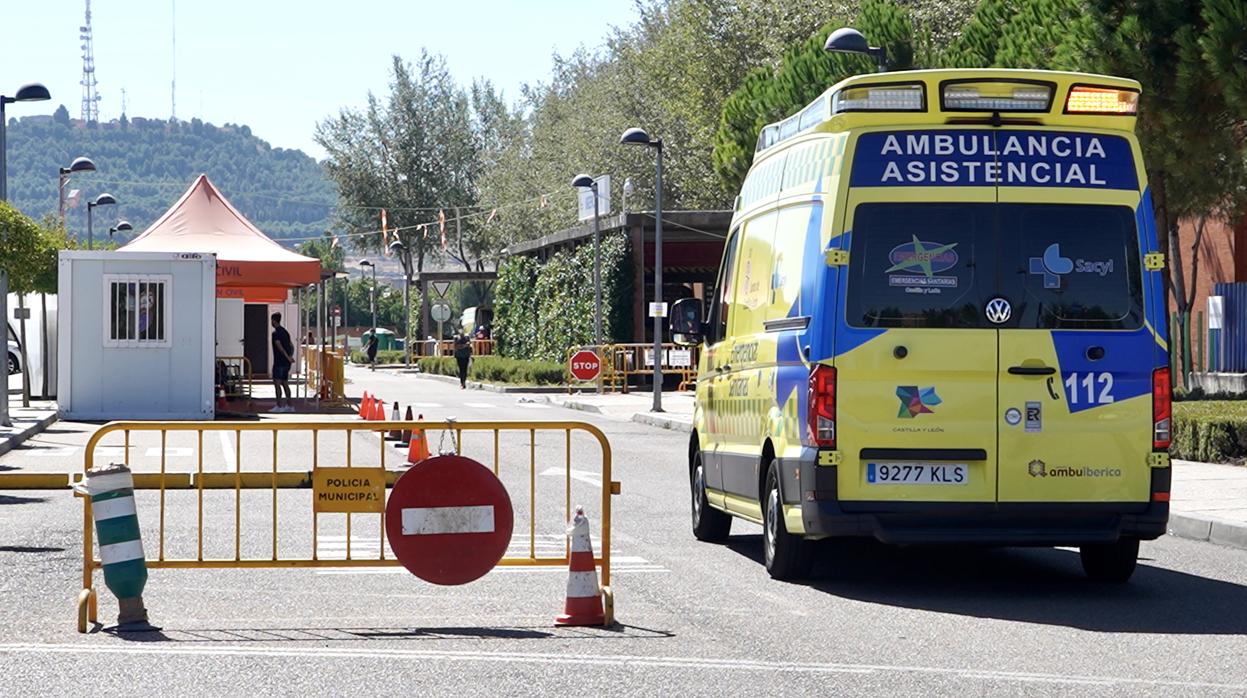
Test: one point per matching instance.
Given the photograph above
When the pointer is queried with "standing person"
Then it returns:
(372, 351)
(463, 354)
(283, 357)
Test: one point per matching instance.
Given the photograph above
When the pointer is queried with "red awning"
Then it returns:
(249, 263)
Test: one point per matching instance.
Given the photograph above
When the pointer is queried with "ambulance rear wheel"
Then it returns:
(787, 556)
(1111, 562)
(709, 524)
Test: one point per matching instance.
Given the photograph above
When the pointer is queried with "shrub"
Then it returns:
(1210, 431)
(498, 369)
(388, 356)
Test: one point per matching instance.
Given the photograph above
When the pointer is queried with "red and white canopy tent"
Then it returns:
(250, 265)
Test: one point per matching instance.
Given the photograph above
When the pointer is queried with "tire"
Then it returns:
(709, 524)
(1111, 562)
(15, 366)
(787, 556)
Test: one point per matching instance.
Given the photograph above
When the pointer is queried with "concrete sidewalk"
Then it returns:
(27, 422)
(1209, 501)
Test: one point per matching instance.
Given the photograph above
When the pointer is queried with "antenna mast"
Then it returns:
(173, 86)
(90, 97)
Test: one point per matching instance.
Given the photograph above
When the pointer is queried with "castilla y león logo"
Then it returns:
(915, 402)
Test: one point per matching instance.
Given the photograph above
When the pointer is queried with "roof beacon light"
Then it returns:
(879, 98)
(1087, 99)
(997, 96)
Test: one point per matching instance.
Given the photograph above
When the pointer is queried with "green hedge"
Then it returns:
(389, 356)
(542, 310)
(1210, 431)
(498, 369)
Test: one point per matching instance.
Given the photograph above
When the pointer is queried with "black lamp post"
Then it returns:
(849, 40)
(372, 299)
(636, 136)
(121, 227)
(584, 181)
(81, 164)
(404, 255)
(101, 200)
(33, 92)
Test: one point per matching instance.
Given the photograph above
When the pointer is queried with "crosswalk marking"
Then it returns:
(533, 405)
(333, 547)
(480, 405)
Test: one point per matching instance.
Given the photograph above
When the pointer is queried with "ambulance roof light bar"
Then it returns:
(1096, 99)
(850, 40)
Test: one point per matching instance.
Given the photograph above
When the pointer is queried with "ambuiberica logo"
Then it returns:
(1038, 468)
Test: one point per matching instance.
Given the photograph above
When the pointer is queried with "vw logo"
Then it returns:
(998, 310)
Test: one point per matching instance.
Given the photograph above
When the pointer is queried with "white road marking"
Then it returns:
(425, 404)
(539, 659)
(46, 452)
(170, 451)
(227, 447)
(578, 475)
(479, 405)
(533, 405)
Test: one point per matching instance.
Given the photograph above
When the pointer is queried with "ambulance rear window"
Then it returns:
(1076, 266)
(919, 264)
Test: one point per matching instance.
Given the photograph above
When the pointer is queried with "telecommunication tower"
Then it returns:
(90, 97)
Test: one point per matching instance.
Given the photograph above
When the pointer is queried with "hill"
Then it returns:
(148, 163)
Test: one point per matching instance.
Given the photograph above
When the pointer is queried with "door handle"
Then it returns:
(1032, 370)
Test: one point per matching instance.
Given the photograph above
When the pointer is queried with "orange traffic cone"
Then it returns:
(377, 413)
(418, 449)
(364, 407)
(404, 438)
(395, 434)
(584, 597)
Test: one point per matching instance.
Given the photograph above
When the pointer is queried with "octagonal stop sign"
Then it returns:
(585, 365)
(449, 520)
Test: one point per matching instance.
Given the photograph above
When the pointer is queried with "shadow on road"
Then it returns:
(9, 499)
(236, 635)
(1032, 585)
(28, 549)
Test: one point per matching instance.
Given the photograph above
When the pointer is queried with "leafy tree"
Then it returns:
(61, 115)
(806, 72)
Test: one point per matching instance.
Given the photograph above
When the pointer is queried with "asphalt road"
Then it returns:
(695, 619)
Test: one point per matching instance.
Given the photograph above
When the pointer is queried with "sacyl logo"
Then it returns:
(998, 310)
(1052, 266)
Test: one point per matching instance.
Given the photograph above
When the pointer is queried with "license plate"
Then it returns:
(917, 473)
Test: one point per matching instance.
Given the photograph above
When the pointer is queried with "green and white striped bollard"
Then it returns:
(111, 489)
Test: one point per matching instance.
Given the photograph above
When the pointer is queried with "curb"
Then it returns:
(33, 429)
(662, 421)
(1208, 529)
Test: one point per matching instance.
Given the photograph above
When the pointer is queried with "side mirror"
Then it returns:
(686, 315)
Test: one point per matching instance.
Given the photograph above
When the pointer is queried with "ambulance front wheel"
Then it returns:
(709, 524)
(787, 556)
(1110, 562)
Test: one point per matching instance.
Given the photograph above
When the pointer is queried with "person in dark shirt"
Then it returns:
(283, 358)
(463, 355)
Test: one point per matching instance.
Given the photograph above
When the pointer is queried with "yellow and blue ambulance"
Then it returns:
(940, 318)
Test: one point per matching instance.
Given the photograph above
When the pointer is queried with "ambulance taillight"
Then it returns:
(1162, 409)
(822, 406)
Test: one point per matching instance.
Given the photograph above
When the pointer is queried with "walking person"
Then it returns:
(372, 351)
(463, 355)
(283, 358)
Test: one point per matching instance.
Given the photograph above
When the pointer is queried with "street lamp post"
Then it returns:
(101, 200)
(372, 299)
(636, 136)
(33, 92)
(81, 164)
(580, 182)
(404, 255)
(121, 227)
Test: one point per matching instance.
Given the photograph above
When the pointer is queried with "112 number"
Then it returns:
(1089, 381)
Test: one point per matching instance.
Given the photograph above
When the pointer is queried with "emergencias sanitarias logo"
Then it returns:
(915, 402)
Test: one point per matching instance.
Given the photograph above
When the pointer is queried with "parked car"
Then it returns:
(15, 360)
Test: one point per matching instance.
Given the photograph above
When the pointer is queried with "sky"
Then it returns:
(281, 66)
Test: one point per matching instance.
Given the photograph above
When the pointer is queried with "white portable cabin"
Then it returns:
(137, 334)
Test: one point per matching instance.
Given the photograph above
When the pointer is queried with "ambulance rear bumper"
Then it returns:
(987, 523)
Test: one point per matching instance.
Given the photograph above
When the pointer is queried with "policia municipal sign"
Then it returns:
(348, 490)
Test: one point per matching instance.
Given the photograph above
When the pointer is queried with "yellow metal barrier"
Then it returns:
(325, 377)
(273, 479)
(238, 377)
(480, 347)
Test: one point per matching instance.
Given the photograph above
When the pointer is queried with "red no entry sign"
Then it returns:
(449, 520)
(584, 365)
